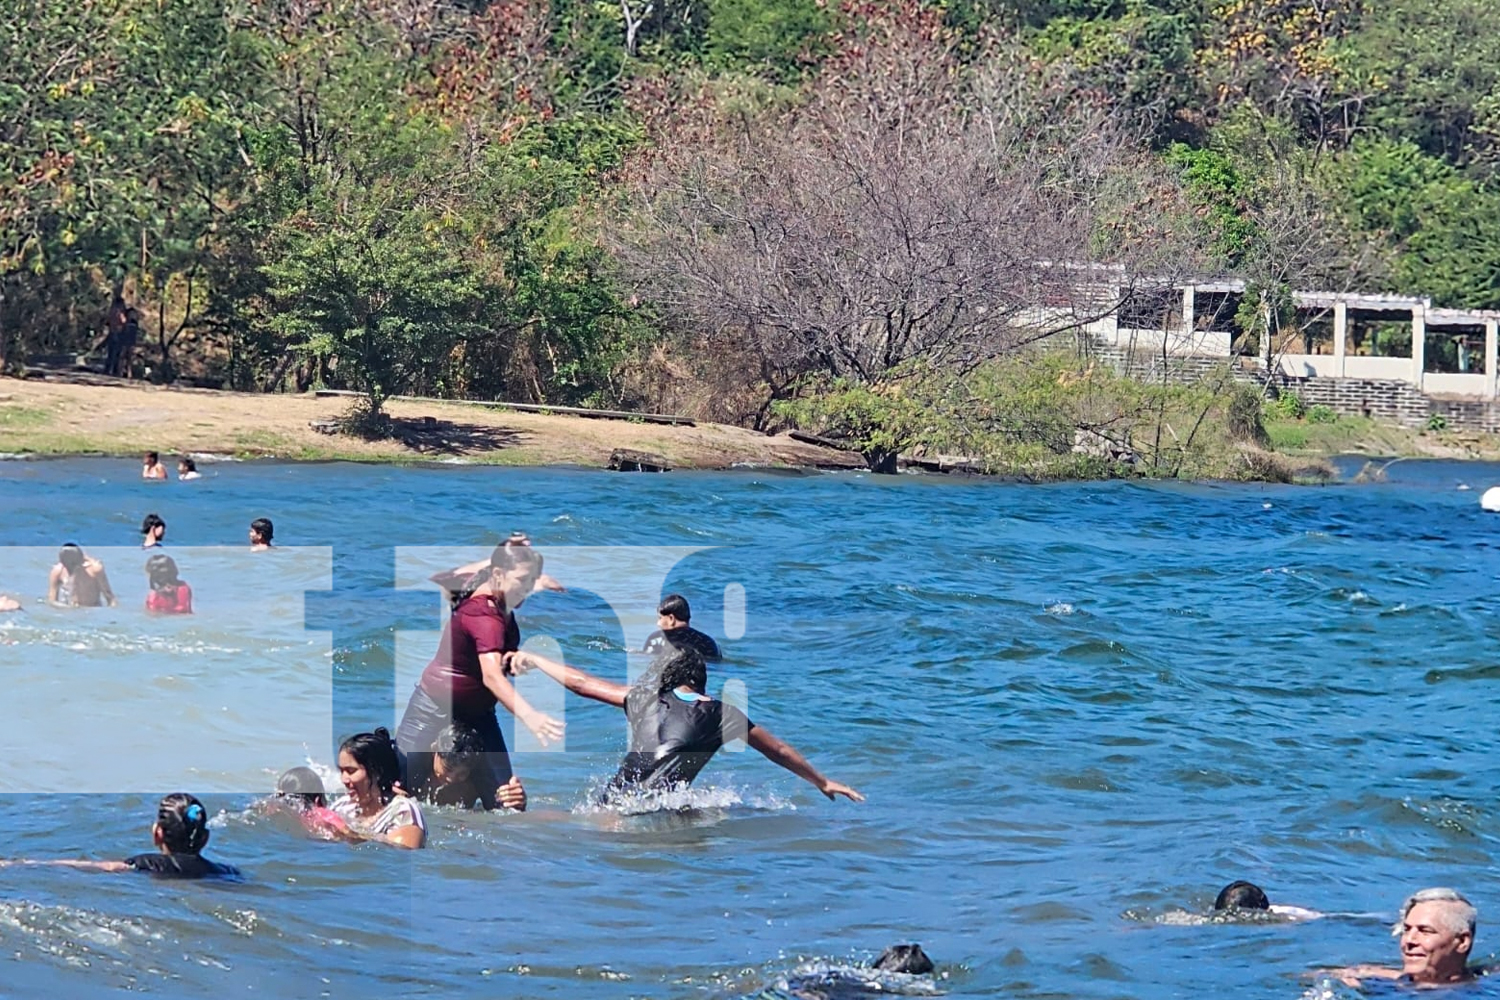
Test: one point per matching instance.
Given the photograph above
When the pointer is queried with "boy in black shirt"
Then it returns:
(674, 632)
(674, 727)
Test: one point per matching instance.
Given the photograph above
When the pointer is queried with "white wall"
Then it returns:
(1202, 343)
(1453, 384)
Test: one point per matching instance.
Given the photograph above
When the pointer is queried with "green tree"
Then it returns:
(1439, 228)
(1435, 70)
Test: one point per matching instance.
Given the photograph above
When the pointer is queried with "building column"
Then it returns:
(1418, 343)
(1189, 327)
(1490, 338)
(1340, 336)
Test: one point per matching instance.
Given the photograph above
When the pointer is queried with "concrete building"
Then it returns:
(1387, 356)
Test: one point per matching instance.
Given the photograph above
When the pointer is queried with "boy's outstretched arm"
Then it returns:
(786, 755)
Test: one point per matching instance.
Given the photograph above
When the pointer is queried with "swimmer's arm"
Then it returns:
(90, 866)
(543, 726)
(783, 753)
(54, 583)
(409, 837)
(105, 590)
(1351, 975)
(580, 682)
(448, 579)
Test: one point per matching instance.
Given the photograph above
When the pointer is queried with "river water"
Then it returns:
(1076, 711)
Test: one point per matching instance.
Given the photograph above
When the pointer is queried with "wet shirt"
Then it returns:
(401, 811)
(179, 602)
(686, 637)
(479, 625)
(181, 866)
(671, 739)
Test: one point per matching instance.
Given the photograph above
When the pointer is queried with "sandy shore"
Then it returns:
(68, 418)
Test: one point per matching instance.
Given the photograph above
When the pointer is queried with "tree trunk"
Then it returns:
(881, 461)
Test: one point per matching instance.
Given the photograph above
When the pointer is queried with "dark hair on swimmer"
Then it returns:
(1242, 895)
(908, 958)
(680, 668)
(510, 554)
(187, 464)
(376, 753)
(151, 523)
(262, 527)
(71, 557)
(675, 605)
(183, 823)
(513, 552)
(150, 455)
(161, 569)
(302, 785)
(459, 746)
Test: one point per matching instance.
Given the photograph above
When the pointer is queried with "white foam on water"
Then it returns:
(690, 799)
(811, 977)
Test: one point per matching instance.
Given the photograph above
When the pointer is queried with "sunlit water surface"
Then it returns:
(1076, 710)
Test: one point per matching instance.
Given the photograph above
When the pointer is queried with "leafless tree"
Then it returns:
(910, 212)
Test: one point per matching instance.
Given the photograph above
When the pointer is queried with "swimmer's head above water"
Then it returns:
(907, 958)
(161, 571)
(673, 612)
(153, 528)
(1242, 895)
(261, 532)
(181, 824)
(1436, 930)
(71, 557)
(457, 750)
(680, 668)
(302, 787)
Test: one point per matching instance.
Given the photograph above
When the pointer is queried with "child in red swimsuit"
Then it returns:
(169, 595)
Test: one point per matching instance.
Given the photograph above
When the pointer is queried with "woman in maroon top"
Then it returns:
(467, 677)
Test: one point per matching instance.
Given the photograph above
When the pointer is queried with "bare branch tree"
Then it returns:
(911, 213)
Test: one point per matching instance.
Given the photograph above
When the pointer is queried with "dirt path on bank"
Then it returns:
(108, 417)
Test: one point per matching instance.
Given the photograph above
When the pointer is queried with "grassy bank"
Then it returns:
(1304, 438)
(48, 418)
(60, 418)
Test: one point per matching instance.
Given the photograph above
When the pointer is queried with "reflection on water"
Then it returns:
(1076, 711)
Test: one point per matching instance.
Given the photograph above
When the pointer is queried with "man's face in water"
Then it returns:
(1431, 951)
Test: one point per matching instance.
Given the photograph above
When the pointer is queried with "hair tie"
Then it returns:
(194, 813)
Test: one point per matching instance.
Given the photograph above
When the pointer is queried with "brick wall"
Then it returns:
(1391, 401)
(1382, 399)
(1482, 415)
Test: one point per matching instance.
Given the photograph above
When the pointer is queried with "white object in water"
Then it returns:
(1491, 500)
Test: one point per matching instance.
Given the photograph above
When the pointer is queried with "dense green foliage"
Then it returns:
(418, 195)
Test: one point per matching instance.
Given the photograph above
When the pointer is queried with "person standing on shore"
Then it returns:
(114, 324)
(127, 338)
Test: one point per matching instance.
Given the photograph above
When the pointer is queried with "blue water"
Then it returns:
(1076, 710)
